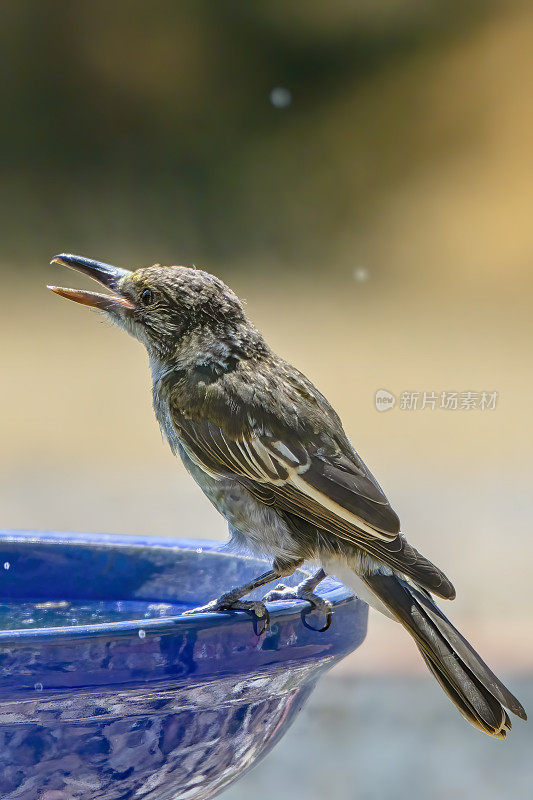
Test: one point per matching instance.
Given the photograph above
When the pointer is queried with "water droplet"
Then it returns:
(6, 565)
(38, 687)
(361, 274)
(280, 97)
(142, 634)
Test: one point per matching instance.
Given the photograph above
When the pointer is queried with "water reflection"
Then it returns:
(32, 614)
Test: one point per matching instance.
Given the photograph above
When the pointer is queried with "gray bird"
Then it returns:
(271, 454)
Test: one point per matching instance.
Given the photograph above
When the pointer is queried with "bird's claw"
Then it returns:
(228, 603)
(301, 592)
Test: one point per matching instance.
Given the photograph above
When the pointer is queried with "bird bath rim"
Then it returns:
(330, 589)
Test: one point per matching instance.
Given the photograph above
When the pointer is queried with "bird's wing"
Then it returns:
(318, 482)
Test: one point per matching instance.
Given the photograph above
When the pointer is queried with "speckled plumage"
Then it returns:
(271, 454)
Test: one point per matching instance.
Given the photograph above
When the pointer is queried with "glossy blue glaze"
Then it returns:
(159, 708)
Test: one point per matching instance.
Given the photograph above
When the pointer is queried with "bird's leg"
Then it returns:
(304, 591)
(231, 601)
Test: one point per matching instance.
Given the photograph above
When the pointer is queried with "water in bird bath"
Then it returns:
(16, 615)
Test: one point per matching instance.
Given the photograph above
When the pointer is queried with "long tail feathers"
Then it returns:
(469, 683)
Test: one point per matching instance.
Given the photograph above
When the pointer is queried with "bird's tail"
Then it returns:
(467, 680)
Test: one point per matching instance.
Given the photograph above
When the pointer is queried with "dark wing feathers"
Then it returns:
(336, 494)
(351, 492)
(397, 553)
(348, 474)
(326, 493)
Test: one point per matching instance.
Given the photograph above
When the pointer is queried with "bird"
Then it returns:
(272, 456)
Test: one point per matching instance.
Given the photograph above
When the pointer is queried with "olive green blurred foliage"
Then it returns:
(133, 126)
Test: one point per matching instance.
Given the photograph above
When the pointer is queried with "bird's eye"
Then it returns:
(147, 297)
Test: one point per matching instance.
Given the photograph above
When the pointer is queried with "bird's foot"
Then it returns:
(302, 592)
(228, 602)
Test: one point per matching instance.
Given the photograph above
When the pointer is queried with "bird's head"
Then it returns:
(176, 312)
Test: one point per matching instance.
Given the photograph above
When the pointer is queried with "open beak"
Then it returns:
(105, 274)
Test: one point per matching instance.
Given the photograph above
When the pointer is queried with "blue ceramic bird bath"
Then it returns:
(107, 693)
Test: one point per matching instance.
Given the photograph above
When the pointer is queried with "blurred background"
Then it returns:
(362, 174)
